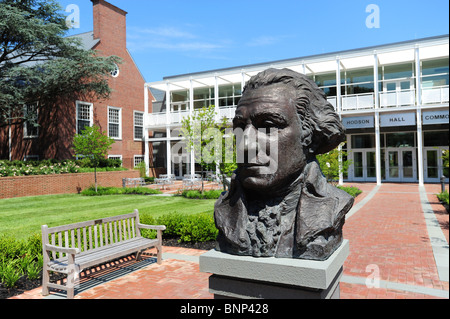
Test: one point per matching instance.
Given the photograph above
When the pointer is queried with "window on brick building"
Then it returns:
(114, 122)
(84, 115)
(138, 125)
(30, 128)
(138, 159)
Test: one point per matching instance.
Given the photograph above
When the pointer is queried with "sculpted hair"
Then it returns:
(322, 130)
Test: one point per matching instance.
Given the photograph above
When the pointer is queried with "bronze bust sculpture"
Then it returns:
(290, 211)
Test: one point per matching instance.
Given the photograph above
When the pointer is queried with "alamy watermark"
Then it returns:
(373, 279)
(73, 19)
(253, 147)
(373, 19)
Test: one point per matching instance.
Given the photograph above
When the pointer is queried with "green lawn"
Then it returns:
(21, 217)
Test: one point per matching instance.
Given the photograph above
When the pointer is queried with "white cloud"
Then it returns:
(266, 40)
(166, 32)
(169, 38)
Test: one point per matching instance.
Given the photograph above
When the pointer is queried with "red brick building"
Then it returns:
(121, 116)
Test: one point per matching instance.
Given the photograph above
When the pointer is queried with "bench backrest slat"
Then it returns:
(94, 233)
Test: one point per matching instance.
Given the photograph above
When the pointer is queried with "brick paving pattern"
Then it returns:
(388, 234)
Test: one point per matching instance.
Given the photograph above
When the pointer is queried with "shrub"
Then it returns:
(189, 228)
(196, 194)
(20, 257)
(119, 191)
(443, 197)
(352, 190)
(47, 167)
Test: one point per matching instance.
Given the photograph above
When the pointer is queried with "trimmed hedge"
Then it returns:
(352, 190)
(189, 228)
(196, 194)
(119, 191)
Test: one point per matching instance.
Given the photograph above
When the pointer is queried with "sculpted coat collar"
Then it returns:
(310, 226)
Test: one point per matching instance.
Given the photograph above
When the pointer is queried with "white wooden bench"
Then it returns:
(71, 248)
(135, 182)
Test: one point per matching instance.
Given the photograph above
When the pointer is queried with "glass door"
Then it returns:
(364, 167)
(397, 93)
(434, 165)
(401, 165)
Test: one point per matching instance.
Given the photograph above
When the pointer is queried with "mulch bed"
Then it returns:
(24, 284)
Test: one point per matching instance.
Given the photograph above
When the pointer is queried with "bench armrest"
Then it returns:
(65, 250)
(156, 227)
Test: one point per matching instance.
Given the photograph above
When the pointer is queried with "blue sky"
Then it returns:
(176, 37)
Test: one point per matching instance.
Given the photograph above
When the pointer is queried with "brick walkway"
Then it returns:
(388, 237)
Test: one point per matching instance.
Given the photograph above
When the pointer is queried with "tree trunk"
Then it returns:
(95, 174)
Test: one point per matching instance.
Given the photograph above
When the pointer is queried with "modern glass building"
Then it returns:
(393, 100)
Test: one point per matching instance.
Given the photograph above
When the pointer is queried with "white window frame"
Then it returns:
(134, 126)
(91, 114)
(25, 130)
(134, 160)
(120, 122)
(116, 157)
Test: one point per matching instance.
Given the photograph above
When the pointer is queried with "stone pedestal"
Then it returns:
(274, 278)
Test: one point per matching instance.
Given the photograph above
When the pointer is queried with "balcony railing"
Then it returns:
(430, 96)
(358, 101)
(227, 112)
(435, 95)
(397, 98)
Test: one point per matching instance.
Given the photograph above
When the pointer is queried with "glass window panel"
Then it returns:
(433, 81)
(407, 158)
(363, 141)
(138, 125)
(371, 168)
(180, 96)
(393, 164)
(398, 71)
(436, 138)
(326, 79)
(360, 88)
(114, 122)
(432, 163)
(358, 164)
(357, 76)
(400, 139)
(437, 66)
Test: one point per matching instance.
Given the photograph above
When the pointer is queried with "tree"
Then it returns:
(330, 165)
(39, 64)
(93, 144)
(205, 137)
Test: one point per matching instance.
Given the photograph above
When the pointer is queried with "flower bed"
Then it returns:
(50, 167)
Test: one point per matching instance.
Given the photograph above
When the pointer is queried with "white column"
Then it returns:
(146, 147)
(378, 158)
(168, 102)
(242, 80)
(191, 111)
(339, 111)
(168, 151)
(216, 98)
(338, 86)
(168, 144)
(419, 118)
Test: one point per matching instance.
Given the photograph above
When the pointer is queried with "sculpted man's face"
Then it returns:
(268, 116)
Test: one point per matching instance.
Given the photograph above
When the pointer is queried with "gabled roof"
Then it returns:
(87, 40)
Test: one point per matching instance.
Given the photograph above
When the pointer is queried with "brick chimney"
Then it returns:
(109, 26)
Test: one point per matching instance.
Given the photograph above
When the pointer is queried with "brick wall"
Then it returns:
(21, 186)
(57, 122)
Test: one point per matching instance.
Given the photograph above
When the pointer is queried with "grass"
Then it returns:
(21, 217)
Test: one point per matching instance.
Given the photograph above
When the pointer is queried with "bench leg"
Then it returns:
(45, 280)
(138, 255)
(159, 255)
